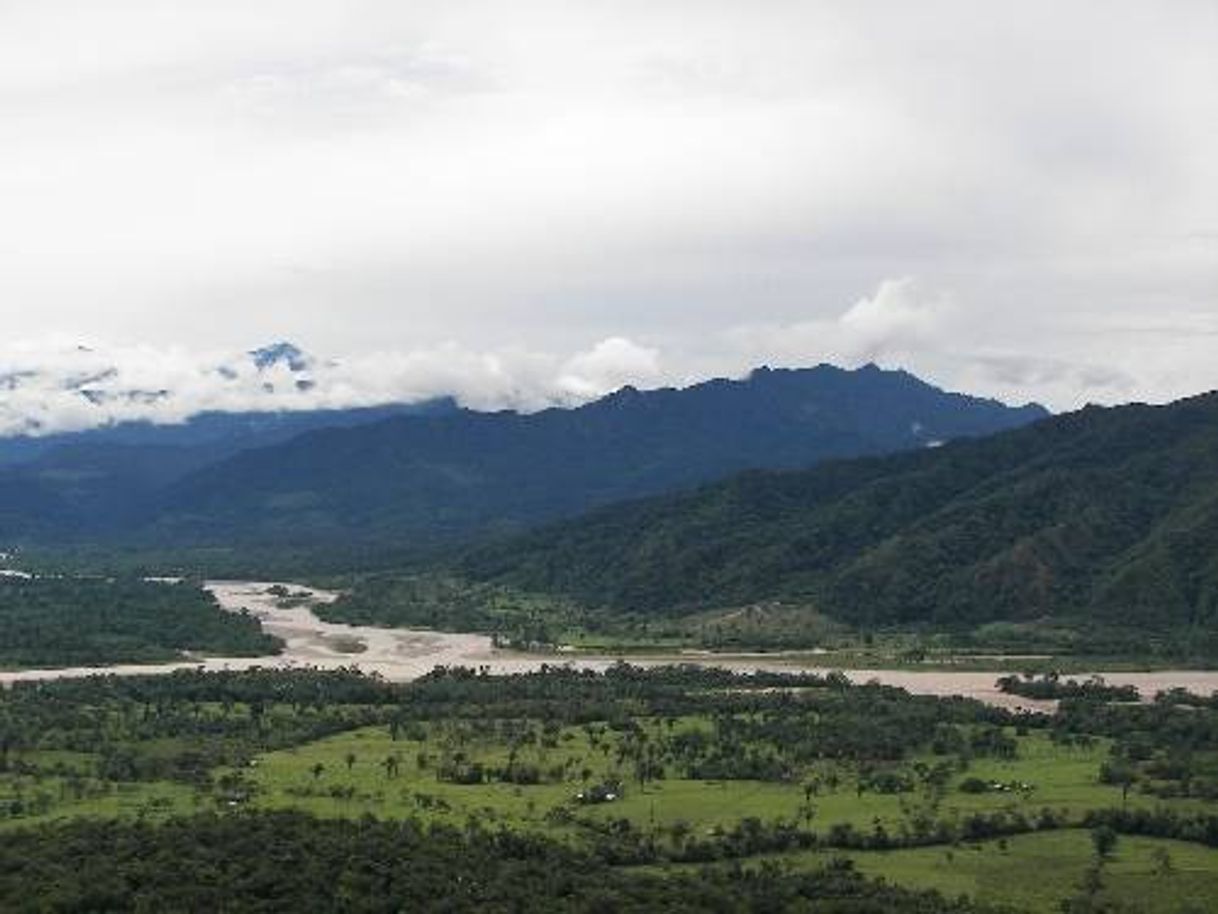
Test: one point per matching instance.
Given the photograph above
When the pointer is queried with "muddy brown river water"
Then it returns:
(404, 654)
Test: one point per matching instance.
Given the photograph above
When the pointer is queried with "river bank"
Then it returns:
(404, 654)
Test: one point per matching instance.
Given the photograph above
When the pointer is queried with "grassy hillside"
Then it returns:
(1105, 515)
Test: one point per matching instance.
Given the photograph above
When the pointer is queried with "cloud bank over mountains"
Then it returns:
(61, 386)
(717, 181)
(45, 389)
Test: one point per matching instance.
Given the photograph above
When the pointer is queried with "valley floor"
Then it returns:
(655, 773)
(401, 655)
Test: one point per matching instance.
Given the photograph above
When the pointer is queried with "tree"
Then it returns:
(808, 811)
(1104, 840)
(680, 831)
(1122, 774)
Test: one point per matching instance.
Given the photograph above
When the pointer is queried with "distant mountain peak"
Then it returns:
(281, 353)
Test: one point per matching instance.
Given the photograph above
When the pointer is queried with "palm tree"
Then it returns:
(809, 812)
(391, 764)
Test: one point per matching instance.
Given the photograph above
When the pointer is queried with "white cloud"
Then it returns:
(529, 177)
(1017, 356)
(609, 365)
(897, 316)
(899, 319)
(52, 387)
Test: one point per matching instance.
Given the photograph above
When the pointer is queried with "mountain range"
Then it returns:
(436, 473)
(1101, 517)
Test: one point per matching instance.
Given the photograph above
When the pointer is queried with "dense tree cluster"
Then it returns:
(1201, 828)
(446, 603)
(183, 725)
(289, 863)
(74, 621)
(1052, 686)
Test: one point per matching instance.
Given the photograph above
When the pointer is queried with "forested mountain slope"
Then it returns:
(470, 473)
(100, 482)
(1106, 514)
(217, 433)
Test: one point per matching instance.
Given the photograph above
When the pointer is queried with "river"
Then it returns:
(404, 654)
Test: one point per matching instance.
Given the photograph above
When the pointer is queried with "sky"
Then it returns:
(524, 203)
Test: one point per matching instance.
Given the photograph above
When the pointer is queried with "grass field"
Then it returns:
(52, 798)
(1035, 872)
(1063, 778)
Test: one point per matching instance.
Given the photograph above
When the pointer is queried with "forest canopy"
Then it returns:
(50, 622)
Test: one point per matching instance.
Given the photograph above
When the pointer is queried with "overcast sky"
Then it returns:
(516, 201)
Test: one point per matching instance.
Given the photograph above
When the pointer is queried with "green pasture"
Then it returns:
(1036, 872)
(45, 798)
(350, 775)
(353, 780)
